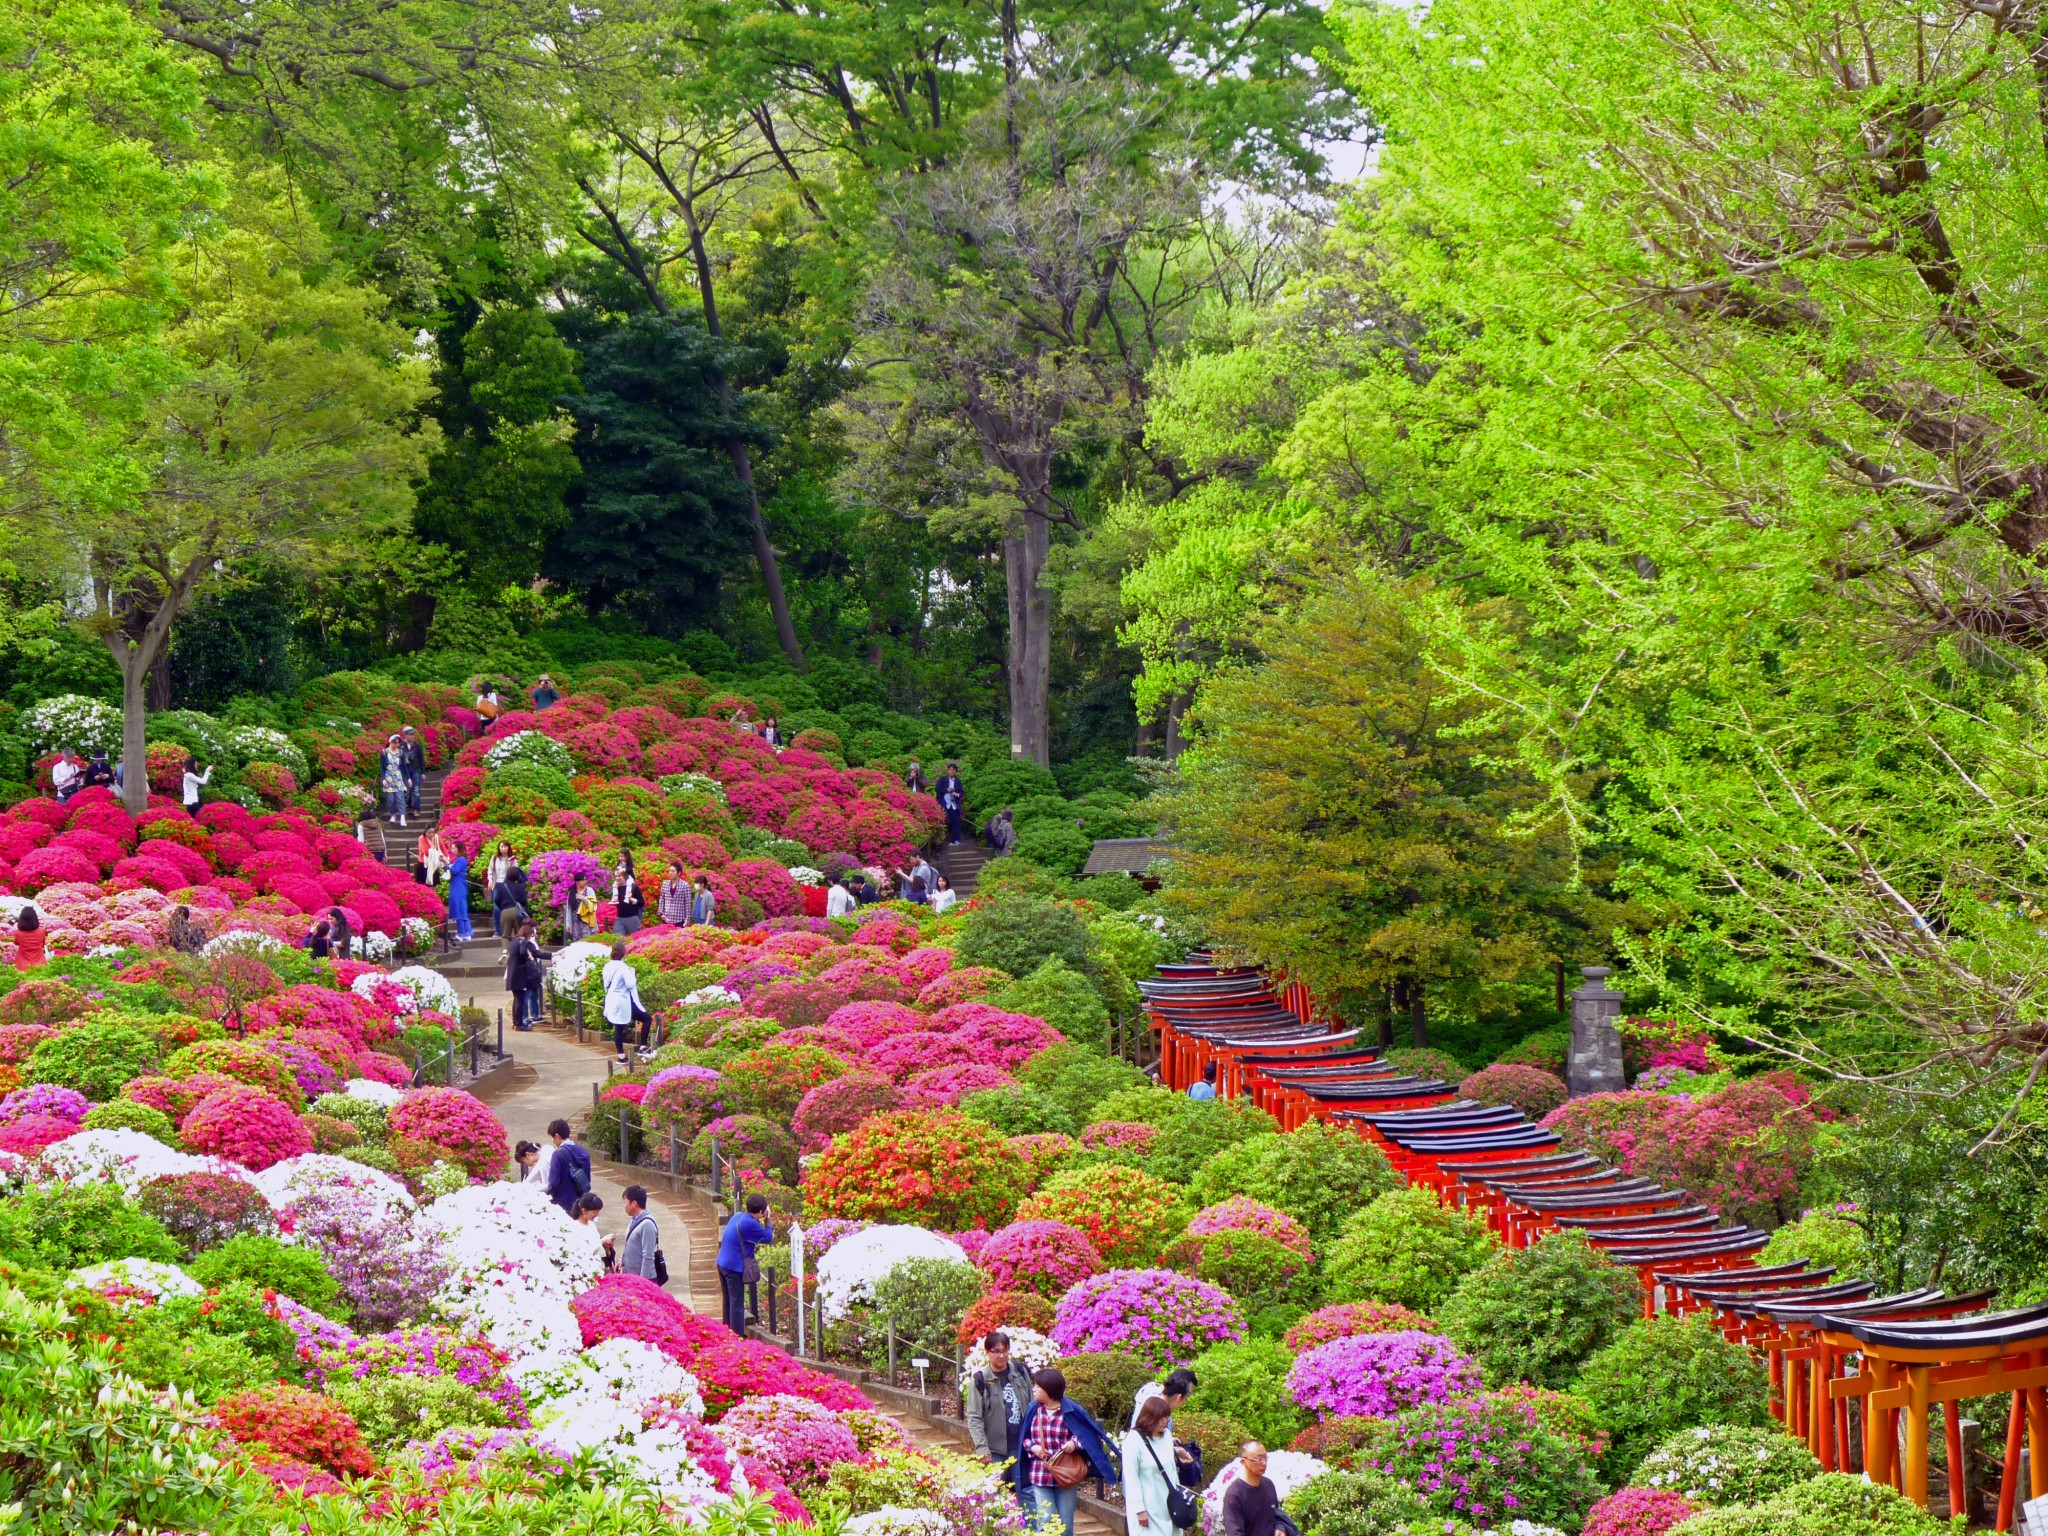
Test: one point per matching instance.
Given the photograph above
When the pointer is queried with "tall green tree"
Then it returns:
(1351, 817)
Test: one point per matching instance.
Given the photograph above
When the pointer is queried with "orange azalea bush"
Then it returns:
(1126, 1213)
(929, 1168)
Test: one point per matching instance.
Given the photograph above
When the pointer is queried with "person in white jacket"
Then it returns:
(1148, 1469)
(621, 999)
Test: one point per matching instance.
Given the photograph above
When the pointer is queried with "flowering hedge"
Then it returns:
(1127, 1215)
(1530, 1089)
(1379, 1374)
(1157, 1315)
(1353, 1317)
(935, 1166)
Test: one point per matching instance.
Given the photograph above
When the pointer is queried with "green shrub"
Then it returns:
(1218, 1434)
(549, 782)
(208, 1365)
(1365, 1503)
(1078, 1080)
(1017, 878)
(368, 1118)
(1249, 1382)
(1064, 998)
(1058, 846)
(1260, 1271)
(1826, 1240)
(1149, 1105)
(67, 1226)
(1106, 1383)
(127, 1115)
(1472, 1455)
(1199, 1130)
(1833, 1504)
(1407, 1247)
(94, 1059)
(379, 1158)
(1318, 1174)
(1017, 1111)
(1549, 1049)
(267, 1263)
(1420, 1061)
(1018, 934)
(1538, 1314)
(1664, 1373)
(1727, 1464)
(391, 1410)
(925, 1299)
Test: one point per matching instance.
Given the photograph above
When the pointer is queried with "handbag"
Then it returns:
(1069, 1469)
(1180, 1506)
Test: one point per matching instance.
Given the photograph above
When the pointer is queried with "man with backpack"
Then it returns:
(568, 1169)
(996, 1399)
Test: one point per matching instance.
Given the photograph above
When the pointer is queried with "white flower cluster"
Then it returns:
(283, 1184)
(803, 874)
(417, 934)
(72, 720)
(692, 784)
(896, 1520)
(376, 1092)
(146, 1276)
(260, 744)
(530, 747)
(242, 941)
(616, 1401)
(1028, 1347)
(572, 962)
(377, 946)
(515, 1261)
(714, 994)
(848, 1273)
(429, 988)
(128, 1158)
(352, 797)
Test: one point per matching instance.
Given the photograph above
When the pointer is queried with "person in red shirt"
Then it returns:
(29, 939)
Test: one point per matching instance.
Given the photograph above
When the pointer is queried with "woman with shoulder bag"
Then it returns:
(1061, 1447)
(523, 975)
(1153, 1499)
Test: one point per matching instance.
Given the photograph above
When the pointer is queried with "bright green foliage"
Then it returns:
(392, 1410)
(1407, 1247)
(1261, 1272)
(367, 1117)
(1537, 1314)
(1363, 1503)
(67, 1226)
(1199, 1130)
(85, 1449)
(95, 1059)
(1019, 934)
(1664, 1374)
(1018, 1111)
(292, 1270)
(925, 1299)
(1317, 1174)
(1106, 1383)
(1078, 1080)
(1248, 1381)
(1062, 997)
(1148, 1103)
(1825, 1240)
(1833, 1504)
(1727, 1464)
(126, 1114)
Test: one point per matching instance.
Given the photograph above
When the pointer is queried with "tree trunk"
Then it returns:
(1030, 661)
(160, 682)
(1148, 737)
(1176, 706)
(133, 660)
(1418, 1028)
(1390, 1000)
(1557, 967)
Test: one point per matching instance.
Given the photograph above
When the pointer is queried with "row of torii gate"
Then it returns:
(1854, 1374)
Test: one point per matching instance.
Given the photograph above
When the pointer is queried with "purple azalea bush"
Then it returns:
(1380, 1374)
(557, 871)
(66, 1104)
(1162, 1317)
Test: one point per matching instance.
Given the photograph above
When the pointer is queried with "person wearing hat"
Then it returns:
(415, 767)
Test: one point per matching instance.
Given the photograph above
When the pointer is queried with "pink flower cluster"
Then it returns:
(245, 1126)
(1045, 1257)
(1119, 1136)
(1380, 1374)
(795, 1436)
(1240, 1213)
(1638, 1512)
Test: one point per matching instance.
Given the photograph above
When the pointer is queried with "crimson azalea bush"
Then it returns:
(1530, 1089)
(1128, 1215)
(1044, 1257)
(833, 1108)
(1156, 1315)
(202, 1210)
(453, 1123)
(245, 1126)
(933, 1168)
(300, 1424)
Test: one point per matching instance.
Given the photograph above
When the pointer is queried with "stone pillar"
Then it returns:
(1595, 1063)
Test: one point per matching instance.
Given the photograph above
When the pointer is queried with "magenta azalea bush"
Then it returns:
(1638, 1512)
(1380, 1374)
(793, 1435)
(1158, 1315)
(1047, 1258)
(1240, 1213)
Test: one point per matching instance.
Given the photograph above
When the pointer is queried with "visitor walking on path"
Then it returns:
(952, 794)
(996, 1399)
(1147, 1455)
(640, 1253)
(704, 905)
(744, 1232)
(458, 895)
(1062, 1447)
(415, 763)
(523, 975)
(568, 1169)
(391, 779)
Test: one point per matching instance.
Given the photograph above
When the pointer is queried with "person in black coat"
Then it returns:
(952, 793)
(508, 897)
(415, 766)
(524, 973)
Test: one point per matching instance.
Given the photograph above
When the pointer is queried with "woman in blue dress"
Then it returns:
(458, 896)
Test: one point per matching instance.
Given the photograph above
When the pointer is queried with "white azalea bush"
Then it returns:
(530, 747)
(514, 1261)
(260, 744)
(372, 1090)
(427, 988)
(140, 1277)
(1028, 1347)
(128, 1158)
(243, 941)
(572, 963)
(850, 1270)
(72, 720)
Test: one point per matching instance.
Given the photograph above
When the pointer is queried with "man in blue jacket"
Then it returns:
(568, 1169)
(744, 1232)
(1053, 1425)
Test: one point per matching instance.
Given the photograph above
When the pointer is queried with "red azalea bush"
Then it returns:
(203, 1209)
(771, 1080)
(1530, 1089)
(245, 1126)
(834, 1108)
(454, 1122)
(1354, 1317)
(1128, 1215)
(1004, 1309)
(933, 1168)
(1043, 1257)
(299, 1424)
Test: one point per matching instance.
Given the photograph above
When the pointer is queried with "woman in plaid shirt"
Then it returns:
(1053, 1425)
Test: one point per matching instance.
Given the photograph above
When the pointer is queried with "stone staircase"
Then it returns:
(961, 864)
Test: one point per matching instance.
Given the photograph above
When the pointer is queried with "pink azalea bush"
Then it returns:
(1158, 1315)
(1354, 1317)
(1047, 1258)
(1240, 1213)
(246, 1126)
(1638, 1512)
(454, 1122)
(1380, 1374)
(799, 1439)
(1119, 1136)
